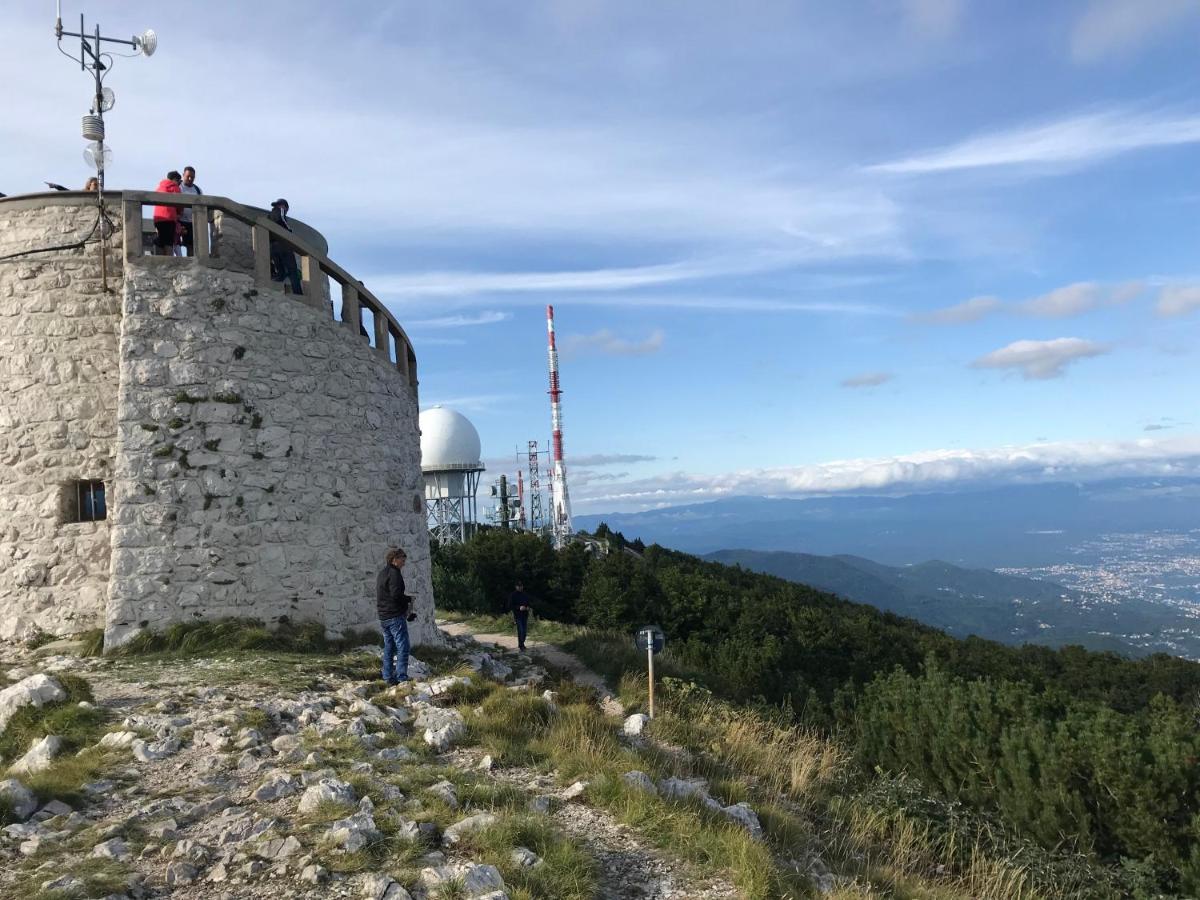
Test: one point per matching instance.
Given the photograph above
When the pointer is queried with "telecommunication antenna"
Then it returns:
(537, 519)
(91, 57)
(560, 504)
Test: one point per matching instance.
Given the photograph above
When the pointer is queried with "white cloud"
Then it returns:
(1040, 359)
(867, 379)
(488, 317)
(609, 459)
(1114, 27)
(1080, 297)
(968, 311)
(1073, 141)
(1178, 300)
(607, 343)
(927, 470)
(473, 402)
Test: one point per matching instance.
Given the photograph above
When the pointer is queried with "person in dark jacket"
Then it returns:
(393, 606)
(518, 604)
(283, 258)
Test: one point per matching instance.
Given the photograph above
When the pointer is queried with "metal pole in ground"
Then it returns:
(650, 664)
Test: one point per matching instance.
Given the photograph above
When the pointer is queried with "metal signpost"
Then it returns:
(651, 639)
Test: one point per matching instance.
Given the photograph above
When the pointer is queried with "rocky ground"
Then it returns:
(276, 775)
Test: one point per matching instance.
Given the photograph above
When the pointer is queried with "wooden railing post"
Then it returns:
(200, 237)
(261, 240)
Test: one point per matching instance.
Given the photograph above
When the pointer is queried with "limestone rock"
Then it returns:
(444, 791)
(38, 757)
(277, 785)
(113, 848)
(382, 887)
(745, 816)
(36, 690)
(635, 724)
(353, 833)
(327, 790)
(116, 740)
(477, 881)
(180, 872)
(278, 849)
(453, 834)
(640, 780)
(574, 791)
(525, 858)
(313, 874)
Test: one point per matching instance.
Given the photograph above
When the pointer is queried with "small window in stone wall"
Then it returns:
(418, 503)
(86, 503)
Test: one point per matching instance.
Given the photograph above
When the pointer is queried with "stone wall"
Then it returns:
(58, 398)
(266, 459)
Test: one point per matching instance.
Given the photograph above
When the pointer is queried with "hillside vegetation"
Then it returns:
(1084, 753)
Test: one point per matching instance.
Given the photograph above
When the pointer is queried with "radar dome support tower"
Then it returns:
(560, 506)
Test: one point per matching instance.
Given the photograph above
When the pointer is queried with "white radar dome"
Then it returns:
(448, 441)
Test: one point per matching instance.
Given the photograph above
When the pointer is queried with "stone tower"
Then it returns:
(195, 443)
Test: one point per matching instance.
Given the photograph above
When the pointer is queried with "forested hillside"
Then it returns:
(1078, 750)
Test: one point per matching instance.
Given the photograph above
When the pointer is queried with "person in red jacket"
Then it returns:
(166, 218)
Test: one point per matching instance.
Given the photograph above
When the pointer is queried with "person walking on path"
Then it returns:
(166, 218)
(518, 603)
(188, 186)
(283, 258)
(393, 604)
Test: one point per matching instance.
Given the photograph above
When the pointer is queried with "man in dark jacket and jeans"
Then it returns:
(518, 604)
(392, 605)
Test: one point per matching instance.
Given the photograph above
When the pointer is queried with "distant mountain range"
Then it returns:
(1004, 608)
(1026, 525)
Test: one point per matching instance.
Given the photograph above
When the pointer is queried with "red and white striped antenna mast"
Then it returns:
(560, 503)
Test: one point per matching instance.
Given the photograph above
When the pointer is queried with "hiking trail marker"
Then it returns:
(651, 639)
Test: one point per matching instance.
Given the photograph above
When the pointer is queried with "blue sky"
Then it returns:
(890, 244)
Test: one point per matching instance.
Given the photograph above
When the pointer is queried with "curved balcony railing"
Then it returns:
(386, 336)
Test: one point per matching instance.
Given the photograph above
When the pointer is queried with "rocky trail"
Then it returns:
(277, 775)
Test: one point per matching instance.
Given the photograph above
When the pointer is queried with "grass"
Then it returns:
(100, 877)
(567, 872)
(224, 635)
(77, 726)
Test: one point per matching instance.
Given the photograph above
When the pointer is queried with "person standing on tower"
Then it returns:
(518, 603)
(393, 605)
(188, 186)
(166, 218)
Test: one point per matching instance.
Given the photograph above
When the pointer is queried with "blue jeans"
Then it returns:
(522, 625)
(395, 649)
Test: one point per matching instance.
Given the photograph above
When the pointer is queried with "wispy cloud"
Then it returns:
(488, 317)
(1076, 140)
(1178, 299)
(927, 470)
(607, 343)
(1115, 27)
(610, 459)
(473, 402)
(968, 311)
(1041, 359)
(867, 380)
(1080, 297)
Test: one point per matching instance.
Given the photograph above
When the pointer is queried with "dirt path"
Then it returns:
(553, 655)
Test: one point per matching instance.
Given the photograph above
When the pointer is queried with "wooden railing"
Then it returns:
(313, 265)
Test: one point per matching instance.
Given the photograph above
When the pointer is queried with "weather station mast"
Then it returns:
(560, 503)
(91, 56)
